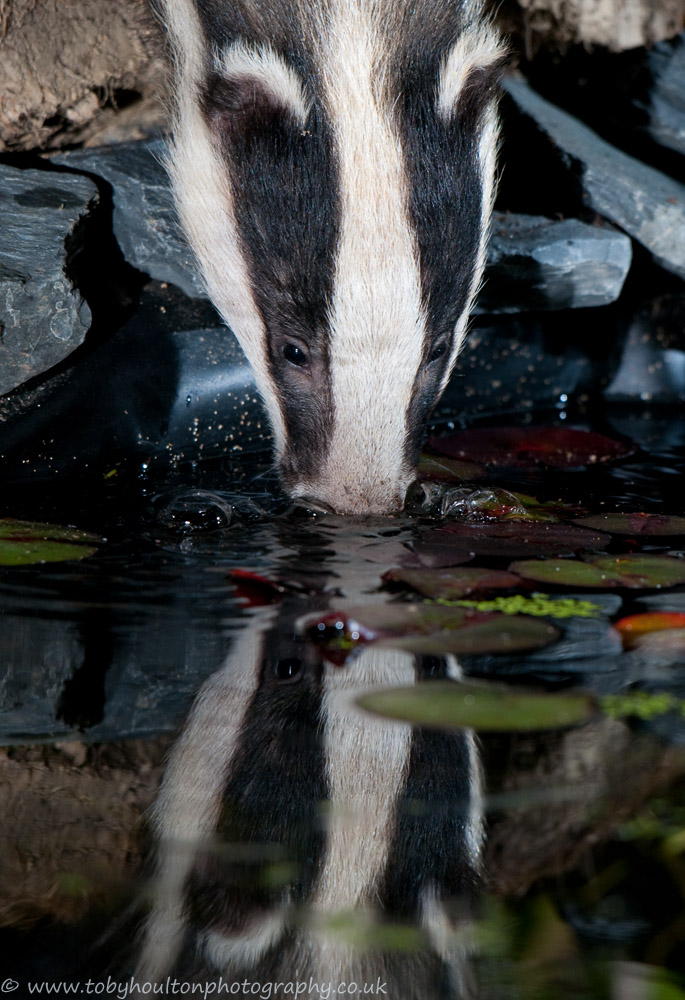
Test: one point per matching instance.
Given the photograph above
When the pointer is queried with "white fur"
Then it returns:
(475, 49)
(267, 68)
(205, 204)
(188, 804)
(376, 316)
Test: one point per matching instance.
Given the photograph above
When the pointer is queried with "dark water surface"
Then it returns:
(296, 839)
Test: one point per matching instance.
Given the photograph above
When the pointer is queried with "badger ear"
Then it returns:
(253, 88)
(469, 74)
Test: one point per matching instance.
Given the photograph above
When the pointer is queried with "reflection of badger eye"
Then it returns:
(295, 355)
(288, 669)
(438, 351)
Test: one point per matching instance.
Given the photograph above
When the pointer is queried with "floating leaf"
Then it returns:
(453, 705)
(636, 572)
(255, 590)
(452, 583)
(556, 447)
(641, 705)
(635, 524)
(24, 543)
(448, 470)
(427, 628)
(635, 626)
(517, 538)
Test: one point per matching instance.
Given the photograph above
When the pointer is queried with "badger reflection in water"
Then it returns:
(303, 843)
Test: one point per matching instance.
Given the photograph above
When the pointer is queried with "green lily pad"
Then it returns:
(427, 628)
(23, 543)
(452, 705)
(635, 524)
(635, 572)
(452, 583)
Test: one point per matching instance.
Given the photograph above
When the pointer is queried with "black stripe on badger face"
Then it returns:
(268, 123)
(449, 136)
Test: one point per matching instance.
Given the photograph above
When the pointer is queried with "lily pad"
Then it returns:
(453, 705)
(24, 543)
(452, 583)
(635, 524)
(555, 447)
(634, 627)
(448, 470)
(635, 572)
(427, 628)
(512, 539)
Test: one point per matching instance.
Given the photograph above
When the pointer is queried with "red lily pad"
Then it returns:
(452, 584)
(635, 524)
(634, 627)
(517, 538)
(448, 470)
(635, 572)
(556, 447)
(24, 543)
(255, 590)
(486, 707)
(428, 629)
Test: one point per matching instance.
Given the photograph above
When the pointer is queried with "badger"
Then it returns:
(289, 823)
(333, 165)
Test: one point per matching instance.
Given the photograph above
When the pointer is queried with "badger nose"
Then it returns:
(359, 499)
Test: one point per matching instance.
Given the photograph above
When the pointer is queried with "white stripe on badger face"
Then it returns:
(366, 764)
(204, 198)
(190, 799)
(377, 322)
(473, 51)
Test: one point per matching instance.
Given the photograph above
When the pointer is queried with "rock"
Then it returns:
(651, 366)
(42, 316)
(170, 386)
(537, 263)
(666, 105)
(144, 216)
(644, 202)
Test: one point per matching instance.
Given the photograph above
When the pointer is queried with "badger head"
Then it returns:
(333, 164)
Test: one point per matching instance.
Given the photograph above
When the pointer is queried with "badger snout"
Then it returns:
(357, 498)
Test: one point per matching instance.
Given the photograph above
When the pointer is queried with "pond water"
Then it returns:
(193, 796)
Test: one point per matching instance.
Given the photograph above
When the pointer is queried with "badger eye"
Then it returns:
(438, 351)
(295, 355)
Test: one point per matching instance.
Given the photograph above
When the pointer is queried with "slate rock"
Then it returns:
(651, 367)
(144, 216)
(666, 105)
(647, 204)
(43, 318)
(538, 263)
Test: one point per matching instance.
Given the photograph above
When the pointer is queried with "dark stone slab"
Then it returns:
(171, 386)
(144, 216)
(647, 204)
(651, 365)
(537, 263)
(42, 316)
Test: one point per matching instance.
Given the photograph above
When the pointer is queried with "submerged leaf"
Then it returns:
(556, 447)
(427, 628)
(452, 583)
(635, 524)
(24, 543)
(517, 538)
(453, 705)
(636, 572)
(448, 470)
